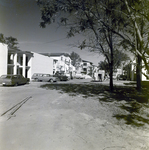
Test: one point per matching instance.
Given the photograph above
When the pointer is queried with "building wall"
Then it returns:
(145, 72)
(41, 64)
(87, 67)
(98, 75)
(63, 64)
(28, 66)
(19, 62)
(143, 77)
(3, 59)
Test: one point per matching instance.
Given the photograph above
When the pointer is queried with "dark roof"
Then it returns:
(87, 61)
(45, 54)
(18, 51)
(55, 54)
(14, 49)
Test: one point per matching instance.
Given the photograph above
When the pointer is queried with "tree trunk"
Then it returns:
(138, 72)
(111, 69)
(112, 59)
(139, 40)
(111, 76)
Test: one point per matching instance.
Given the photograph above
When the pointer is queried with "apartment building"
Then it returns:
(61, 62)
(15, 61)
(87, 67)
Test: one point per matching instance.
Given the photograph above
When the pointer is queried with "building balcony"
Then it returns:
(10, 65)
(27, 67)
(85, 66)
(11, 62)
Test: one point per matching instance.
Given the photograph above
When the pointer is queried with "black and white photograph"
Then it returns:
(74, 74)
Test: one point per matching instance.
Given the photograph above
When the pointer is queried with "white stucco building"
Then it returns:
(87, 67)
(15, 61)
(3, 59)
(98, 75)
(61, 62)
(41, 64)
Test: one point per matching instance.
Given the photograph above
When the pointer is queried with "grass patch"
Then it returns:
(144, 84)
(119, 93)
(134, 102)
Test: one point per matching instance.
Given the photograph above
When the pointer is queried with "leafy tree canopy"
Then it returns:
(135, 34)
(103, 65)
(120, 59)
(10, 41)
(105, 23)
(76, 60)
(93, 18)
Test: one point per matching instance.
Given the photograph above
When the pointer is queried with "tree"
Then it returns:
(135, 16)
(2, 38)
(127, 70)
(95, 18)
(140, 20)
(75, 60)
(103, 65)
(10, 41)
(120, 58)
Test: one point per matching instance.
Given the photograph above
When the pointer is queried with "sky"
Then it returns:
(21, 18)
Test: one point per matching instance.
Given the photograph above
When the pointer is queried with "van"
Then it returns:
(43, 77)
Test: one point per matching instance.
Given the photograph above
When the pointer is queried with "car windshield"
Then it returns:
(6, 76)
(15, 77)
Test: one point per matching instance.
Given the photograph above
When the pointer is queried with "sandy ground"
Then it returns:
(50, 120)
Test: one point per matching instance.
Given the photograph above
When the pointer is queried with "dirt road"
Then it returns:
(50, 120)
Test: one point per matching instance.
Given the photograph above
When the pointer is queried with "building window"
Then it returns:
(10, 70)
(10, 59)
(26, 73)
(26, 61)
(84, 69)
(21, 61)
(85, 64)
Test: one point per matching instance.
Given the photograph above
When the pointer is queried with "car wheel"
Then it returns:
(16, 84)
(51, 80)
(36, 80)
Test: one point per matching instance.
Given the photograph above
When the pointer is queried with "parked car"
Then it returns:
(43, 77)
(61, 76)
(68, 75)
(79, 76)
(13, 80)
(122, 77)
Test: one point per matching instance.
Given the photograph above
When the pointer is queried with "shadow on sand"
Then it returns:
(136, 104)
